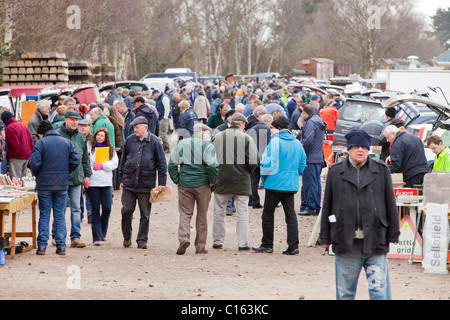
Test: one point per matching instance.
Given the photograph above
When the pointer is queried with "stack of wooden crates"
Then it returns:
(53, 68)
(36, 69)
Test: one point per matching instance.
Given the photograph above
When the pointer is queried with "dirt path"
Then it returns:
(113, 272)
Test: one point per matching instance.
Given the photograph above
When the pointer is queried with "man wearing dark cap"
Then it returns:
(80, 176)
(143, 159)
(360, 219)
(238, 157)
(52, 160)
(19, 144)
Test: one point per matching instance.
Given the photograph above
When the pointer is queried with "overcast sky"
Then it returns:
(429, 7)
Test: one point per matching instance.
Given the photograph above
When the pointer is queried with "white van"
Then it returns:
(159, 83)
(178, 70)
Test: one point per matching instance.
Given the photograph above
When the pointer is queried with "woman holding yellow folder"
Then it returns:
(103, 160)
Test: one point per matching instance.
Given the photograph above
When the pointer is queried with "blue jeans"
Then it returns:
(348, 268)
(82, 206)
(100, 196)
(48, 200)
(311, 191)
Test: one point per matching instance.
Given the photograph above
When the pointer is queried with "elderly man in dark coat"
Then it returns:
(143, 159)
(360, 219)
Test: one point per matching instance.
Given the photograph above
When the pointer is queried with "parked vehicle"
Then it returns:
(184, 76)
(412, 105)
(130, 85)
(6, 100)
(440, 125)
(359, 114)
(159, 83)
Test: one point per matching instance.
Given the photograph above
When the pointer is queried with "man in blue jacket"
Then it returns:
(312, 137)
(282, 163)
(187, 120)
(52, 160)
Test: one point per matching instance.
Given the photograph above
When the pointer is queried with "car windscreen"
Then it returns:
(359, 111)
(446, 138)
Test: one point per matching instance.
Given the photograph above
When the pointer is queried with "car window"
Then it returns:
(362, 112)
(446, 138)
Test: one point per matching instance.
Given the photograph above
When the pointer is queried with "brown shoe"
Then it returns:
(204, 251)
(127, 243)
(77, 244)
(183, 246)
(142, 246)
(61, 251)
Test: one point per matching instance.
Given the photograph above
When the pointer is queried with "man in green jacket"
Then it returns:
(193, 168)
(77, 178)
(442, 161)
(238, 157)
(218, 118)
(99, 120)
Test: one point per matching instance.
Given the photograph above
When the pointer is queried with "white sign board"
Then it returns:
(435, 239)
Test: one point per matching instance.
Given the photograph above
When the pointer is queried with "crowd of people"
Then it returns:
(230, 142)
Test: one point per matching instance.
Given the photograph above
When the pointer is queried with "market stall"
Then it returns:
(13, 201)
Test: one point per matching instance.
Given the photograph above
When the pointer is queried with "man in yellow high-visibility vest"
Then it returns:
(442, 161)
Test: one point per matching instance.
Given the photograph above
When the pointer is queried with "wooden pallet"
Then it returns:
(36, 69)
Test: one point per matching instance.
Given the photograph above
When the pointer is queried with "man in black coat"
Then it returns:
(143, 110)
(143, 161)
(360, 219)
(407, 156)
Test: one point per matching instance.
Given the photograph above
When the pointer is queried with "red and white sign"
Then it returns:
(404, 247)
(405, 191)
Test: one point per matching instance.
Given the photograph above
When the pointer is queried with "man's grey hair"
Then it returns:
(97, 111)
(277, 111)
(259, 111)
(257, 102)
(267, 118)
(43, 104)
(69, 99)
(391, 129)
(119, 103)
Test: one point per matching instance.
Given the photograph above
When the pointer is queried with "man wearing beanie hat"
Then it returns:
(385, 145)
(282, 163)
(360, 219)
(19, 144)
(52, 160)
(280, 123)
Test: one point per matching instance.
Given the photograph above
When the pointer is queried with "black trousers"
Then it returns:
(271, 201)
(255, 178)
(417, 179)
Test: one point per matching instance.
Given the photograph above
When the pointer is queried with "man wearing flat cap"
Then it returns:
(238, 157)
(193, 168)
(143, 161)
(80, 176)
(360, 219)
